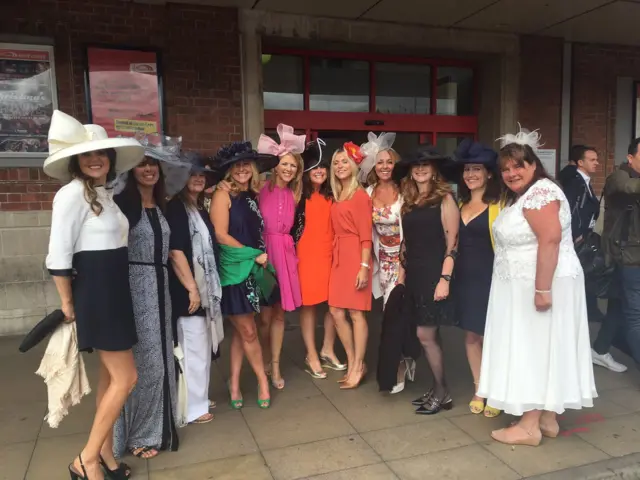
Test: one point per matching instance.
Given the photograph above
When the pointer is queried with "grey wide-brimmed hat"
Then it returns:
(166, 151)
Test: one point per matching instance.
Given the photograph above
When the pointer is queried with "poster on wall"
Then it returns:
(27, 99)
(124, 90)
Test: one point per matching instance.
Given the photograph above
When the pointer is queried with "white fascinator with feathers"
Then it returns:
(370, 150)
(523, 137)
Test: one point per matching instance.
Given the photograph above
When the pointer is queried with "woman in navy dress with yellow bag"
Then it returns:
(479, 192)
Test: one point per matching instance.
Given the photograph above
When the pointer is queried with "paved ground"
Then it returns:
(315, 430)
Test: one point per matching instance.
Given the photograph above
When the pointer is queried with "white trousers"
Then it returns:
(195, 339)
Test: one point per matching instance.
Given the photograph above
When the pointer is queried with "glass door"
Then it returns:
(404, 143)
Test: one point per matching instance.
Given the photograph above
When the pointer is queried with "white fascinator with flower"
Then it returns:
(370, 150)
(523, 137)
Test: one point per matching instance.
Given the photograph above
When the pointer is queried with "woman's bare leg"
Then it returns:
(264, 330)
(246, 327)
(360, 337)
(346, 336)
(277, 338)
(308, 329)
(329, 341)
(236, 356)
(121, 369)
(473, 345)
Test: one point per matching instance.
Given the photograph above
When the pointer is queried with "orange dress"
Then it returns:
(352, 226)
(314, 250)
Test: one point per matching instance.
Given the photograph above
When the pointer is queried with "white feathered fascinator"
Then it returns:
(523, 137)
(370, 151)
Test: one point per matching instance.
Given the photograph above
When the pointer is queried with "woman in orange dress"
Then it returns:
(350, 279)
(313, 234)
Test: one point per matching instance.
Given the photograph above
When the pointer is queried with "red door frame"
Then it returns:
(313, 121)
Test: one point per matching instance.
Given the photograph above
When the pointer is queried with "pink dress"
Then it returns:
(277, 207)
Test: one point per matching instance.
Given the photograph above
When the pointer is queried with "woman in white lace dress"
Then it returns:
(536, 359)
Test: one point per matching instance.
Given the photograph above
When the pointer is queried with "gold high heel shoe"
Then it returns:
(348, 386)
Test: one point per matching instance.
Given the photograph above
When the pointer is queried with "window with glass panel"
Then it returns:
(338, 85)
(403, 88)
(455, 91)
(283, 82)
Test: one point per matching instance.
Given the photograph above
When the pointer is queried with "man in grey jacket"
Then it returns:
(621, 243)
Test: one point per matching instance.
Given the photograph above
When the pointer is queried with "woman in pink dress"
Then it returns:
(277, 200)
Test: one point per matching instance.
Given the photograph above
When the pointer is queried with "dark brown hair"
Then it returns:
(492, 192)
(307, 185)
(90, 193)
(521, 154)
(159, 189)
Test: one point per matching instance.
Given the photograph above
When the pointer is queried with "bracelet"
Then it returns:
(543, 291)
(365, 265)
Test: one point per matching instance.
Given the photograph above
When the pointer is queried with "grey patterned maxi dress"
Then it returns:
(147, 419)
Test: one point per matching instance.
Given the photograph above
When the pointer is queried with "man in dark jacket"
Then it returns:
(621, 242)
(576, 183)
(583, 202)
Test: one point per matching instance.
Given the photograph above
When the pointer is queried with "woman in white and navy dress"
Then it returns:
(89, 263)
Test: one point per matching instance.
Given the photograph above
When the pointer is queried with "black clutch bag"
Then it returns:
(42, 330)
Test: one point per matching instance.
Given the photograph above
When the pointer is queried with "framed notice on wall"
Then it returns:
(124, 90)
(27, 99)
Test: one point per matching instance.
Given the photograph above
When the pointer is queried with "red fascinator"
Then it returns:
(353, 152)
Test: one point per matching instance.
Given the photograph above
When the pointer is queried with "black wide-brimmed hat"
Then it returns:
(42, 330)
(470, 152)
(236, 152)
(314, 156)
(423, 154)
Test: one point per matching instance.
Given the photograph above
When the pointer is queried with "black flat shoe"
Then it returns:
(123, 472)
(434, 405)
(423, 399)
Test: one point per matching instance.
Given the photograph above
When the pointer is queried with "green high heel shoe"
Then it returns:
(264, 403)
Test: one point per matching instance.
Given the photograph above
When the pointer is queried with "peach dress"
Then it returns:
(352, 226)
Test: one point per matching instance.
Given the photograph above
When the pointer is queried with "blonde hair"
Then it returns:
(296, 184)
(372, 178)
(254, 183)
(336, 185)
(409, 190)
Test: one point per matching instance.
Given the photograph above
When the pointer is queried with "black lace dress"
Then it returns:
(424, 250)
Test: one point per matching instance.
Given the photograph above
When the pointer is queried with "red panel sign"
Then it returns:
(124, 91)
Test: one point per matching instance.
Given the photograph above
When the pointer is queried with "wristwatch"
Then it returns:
(446, 277)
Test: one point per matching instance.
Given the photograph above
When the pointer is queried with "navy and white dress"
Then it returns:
(93, 250)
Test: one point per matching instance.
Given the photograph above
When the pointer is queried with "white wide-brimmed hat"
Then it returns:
(68, 137)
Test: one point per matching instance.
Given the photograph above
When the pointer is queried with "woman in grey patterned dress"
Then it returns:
(146, 424)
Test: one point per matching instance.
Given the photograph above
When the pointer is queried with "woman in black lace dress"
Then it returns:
(430, 219)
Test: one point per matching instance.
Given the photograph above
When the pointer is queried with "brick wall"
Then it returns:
(200, 56)
(595, 72)
(540, 95)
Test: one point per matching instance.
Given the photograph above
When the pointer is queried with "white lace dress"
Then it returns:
(535, 360)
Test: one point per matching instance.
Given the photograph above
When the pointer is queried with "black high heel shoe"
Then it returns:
(75, 475)
(123, 472)
(418, 402)
(433, 405)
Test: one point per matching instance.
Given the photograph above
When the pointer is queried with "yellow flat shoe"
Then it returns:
(491, 412)
(477, 407)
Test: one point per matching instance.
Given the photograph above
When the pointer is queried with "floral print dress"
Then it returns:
(387, 235)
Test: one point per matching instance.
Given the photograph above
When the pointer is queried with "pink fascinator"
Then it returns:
(289, 142)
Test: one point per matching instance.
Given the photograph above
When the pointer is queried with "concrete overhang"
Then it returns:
(589, 21)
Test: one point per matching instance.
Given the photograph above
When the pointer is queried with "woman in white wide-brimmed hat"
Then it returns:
(89, 263)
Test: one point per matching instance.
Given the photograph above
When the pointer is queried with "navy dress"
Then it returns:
(474, 268)
(245, 225)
